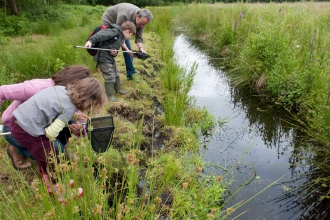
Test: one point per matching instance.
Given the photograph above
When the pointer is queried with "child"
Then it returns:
(37, 122)
(106, 60)
(23, 91)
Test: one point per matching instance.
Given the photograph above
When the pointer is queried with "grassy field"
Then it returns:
(152, 169)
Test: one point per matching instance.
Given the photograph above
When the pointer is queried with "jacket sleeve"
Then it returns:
(12, 92)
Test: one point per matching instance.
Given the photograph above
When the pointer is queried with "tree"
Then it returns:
(13, 7)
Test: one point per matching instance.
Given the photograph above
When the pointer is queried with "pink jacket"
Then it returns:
(19, 93)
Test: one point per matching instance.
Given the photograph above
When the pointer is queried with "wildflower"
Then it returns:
(97, 209)
(35, 184)
(38, 197)
(86, 159)
(209, 216)
(235, 25)
(50, 214)
(219, 178)
(241, 14)
(119, 216)
(185, 185)
(75, 209)
(126, 209)
(104, 172)
(100, 159)
(152, 208)
(158, 200)
(297, 46)
(130, 158)
(10, 188)
(230, 210)
(213, 211)
(136, 162)
(62, 168)
(198, 169)
(74, 165)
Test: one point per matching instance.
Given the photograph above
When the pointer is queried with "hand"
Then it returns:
(88, 44)
(76, 128)
(131, 53)
(113, 52)
(81, 117)
(142, 50)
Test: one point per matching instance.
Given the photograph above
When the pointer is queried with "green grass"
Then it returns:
(276, 50)
(136, 178)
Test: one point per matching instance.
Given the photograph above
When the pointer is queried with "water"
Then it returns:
(253, 123)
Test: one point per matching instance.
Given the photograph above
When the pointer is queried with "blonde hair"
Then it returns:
(87, 94)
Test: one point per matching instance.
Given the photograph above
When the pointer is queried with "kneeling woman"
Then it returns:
(37, 122)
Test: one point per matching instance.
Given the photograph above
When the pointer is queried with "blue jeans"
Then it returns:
(59, 142)
(130, 70)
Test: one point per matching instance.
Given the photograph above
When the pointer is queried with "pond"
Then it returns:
(259, 140)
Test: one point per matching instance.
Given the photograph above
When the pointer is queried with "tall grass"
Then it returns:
(125, 183)
(278, 50)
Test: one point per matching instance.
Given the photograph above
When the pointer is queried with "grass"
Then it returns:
(278, 51)
(152, 169)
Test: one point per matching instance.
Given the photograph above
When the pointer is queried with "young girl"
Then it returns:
(21, 92)
(38, 121)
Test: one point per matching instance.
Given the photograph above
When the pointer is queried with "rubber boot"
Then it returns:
(110, 91)
(117, 86)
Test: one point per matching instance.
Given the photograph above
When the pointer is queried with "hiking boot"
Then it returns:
(19, 161)
(110, 91)
(117, 86)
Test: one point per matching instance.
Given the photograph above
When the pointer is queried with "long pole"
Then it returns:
(95, 48)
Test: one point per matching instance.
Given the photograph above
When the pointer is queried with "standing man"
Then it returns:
(120, 13)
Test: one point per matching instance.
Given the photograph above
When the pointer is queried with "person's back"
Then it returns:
(103, 36)
(119, 13)
(42, 108)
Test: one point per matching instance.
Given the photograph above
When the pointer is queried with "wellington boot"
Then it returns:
(110, 91)
(117, 86)
(19, 161)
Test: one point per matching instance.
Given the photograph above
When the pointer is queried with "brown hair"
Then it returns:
(87, 94)
(128, 25)
(70, 74)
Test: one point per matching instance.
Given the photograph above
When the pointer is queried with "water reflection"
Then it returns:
(252, 121)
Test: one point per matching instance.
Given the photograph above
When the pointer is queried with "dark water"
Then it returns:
(254, 123)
